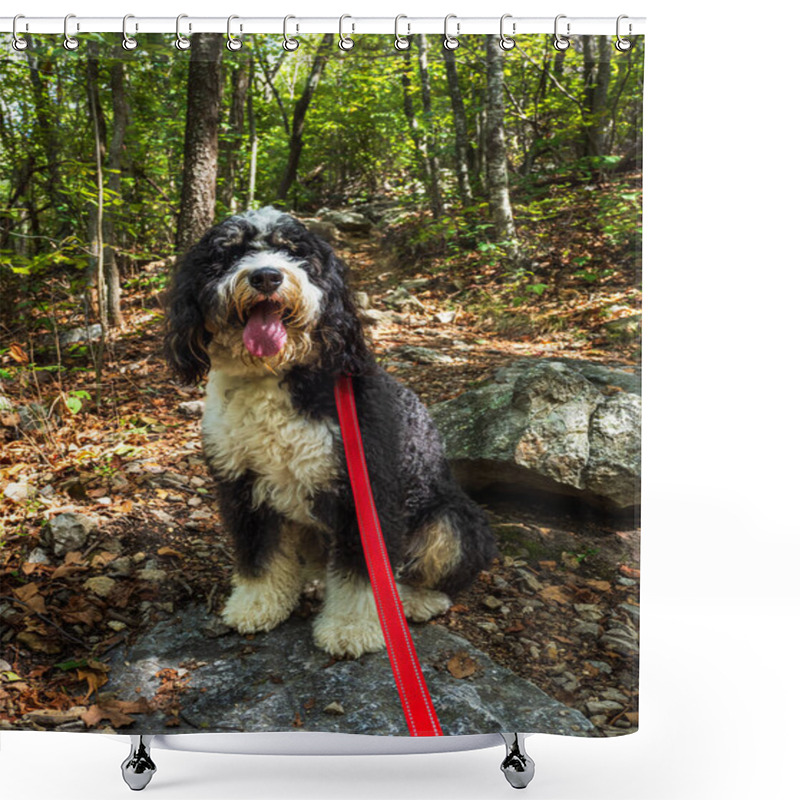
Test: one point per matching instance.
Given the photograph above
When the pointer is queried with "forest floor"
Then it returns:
(559, 608)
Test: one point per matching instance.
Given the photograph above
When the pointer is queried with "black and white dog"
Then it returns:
(262, 306)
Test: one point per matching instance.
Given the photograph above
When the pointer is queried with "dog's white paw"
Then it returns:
(420, 604)
(348, 624)
(345, 636)
(257, 604)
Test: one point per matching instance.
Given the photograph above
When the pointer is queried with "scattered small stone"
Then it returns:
(626, 582)
(121, 567)
(70, 531)
(488, 626)
(50, 718)
(614, 694)
(535, 652)
(215, 628)
(152, 575)
(620, 641)
(602, 707)
(589, 630)
(631, 610)
(334, 708)
(589, 612)
(601, 666)
(100, 585)
(90, 333)
(421, 355)
(622, 723)
(193, 409)
(194, 502)
(117, 625)
(530, 580)
(38, 556)
(4, 665)
(445, 317)
(19, 492)
(139, 557)
(362, 300)
(500, 583)
(492, 603)
(402, 300)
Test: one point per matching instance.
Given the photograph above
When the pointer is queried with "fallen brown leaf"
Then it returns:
(462, 665)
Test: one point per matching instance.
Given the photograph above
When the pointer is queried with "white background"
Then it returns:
(719, 707)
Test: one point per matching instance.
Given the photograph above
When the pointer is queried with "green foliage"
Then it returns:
(74, 400)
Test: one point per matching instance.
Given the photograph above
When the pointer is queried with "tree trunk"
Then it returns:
(596, 80)
(48, 128)
(232, 143)
(97, 276)
(115, 151)
(253, 130)
(204, 95)
(413, 124)
(299, 117)
(428, 132)
(496, 167)
(463, 146)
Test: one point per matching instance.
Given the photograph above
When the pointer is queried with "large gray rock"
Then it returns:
(279, 681)
(569, 427)
(347, 221)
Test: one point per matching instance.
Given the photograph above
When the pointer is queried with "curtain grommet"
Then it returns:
(561, 43)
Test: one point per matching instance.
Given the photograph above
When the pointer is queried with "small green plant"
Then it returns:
(74, 400)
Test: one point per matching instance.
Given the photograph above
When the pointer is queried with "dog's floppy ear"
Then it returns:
(186, 336)
(345, 349)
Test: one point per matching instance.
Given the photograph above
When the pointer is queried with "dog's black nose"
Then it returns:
(265, 279)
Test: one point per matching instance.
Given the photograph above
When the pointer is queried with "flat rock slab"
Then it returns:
(279, 681)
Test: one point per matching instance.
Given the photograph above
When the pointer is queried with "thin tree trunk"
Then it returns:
(496, 167)
(119, 126)
(463, 146)
(428, 132)
(201, 146)
(299, 117)
(251, 122)
(47, 123)
(97, 274)
(98, 352)
(229, 162)
(420, 149)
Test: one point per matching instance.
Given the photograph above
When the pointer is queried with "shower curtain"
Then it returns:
(486, 202)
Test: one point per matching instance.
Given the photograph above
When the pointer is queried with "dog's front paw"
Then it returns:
(256, 605)
(420, 604)
(345, 636)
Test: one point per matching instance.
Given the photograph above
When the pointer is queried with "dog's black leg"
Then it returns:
(269, 574)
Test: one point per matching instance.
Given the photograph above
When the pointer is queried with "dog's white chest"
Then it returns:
(250, 425)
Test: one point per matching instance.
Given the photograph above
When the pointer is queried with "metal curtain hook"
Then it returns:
(559, 41)
(70, 42)
(345, 42)
(506, 42)
(233, 44)
(128, 43)
(18, 42)
(401, 42)
(450, 42)
(290, 44)
(181, 41)
(623, 44)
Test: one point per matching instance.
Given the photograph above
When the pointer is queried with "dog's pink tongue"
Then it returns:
(264, 334)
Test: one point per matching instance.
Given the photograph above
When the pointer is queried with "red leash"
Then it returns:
(417, 706)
